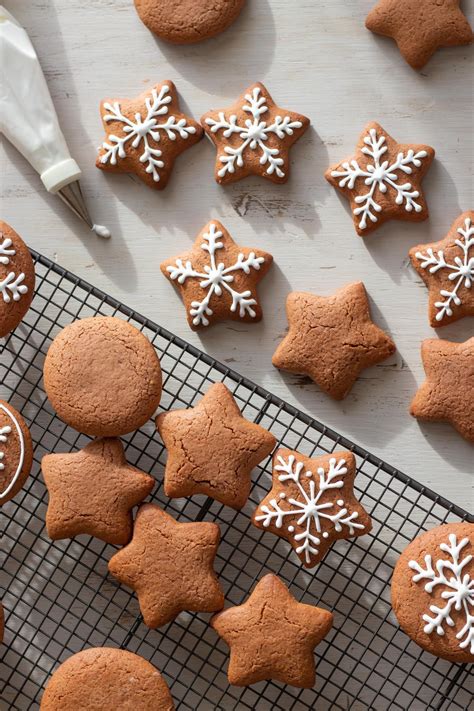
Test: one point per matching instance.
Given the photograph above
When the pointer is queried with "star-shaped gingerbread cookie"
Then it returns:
(272, 636)
(212, 449)
(382, 180)
(448, 392)
(145, 135)
(420, 27)
(170, 566)
(447, 268)
(93, 491)
(217, 278)
(253, 137)
(331, 338)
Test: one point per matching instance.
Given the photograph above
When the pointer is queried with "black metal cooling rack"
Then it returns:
(59, 599)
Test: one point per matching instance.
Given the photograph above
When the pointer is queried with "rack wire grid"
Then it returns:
(59, 598)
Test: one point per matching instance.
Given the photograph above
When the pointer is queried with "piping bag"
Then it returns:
(29, 120)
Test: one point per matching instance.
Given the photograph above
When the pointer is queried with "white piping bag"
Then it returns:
(29, 120)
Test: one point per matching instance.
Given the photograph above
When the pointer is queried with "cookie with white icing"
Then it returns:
(16, 452)
(17, 279)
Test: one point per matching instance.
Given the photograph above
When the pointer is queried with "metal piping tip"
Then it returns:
(72, 196)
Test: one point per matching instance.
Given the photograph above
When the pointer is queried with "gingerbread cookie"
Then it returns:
(170, 566)
(17, 279)
(102, 376)
(16, 452)
(103, 678)
(253, 137)
(448, 392)
(272, 636)
(382, 180)
(93, 491)
(217, 278)
(212, 449)
(433, 591)
(145, 135)
(420, 27)
(331, 338)
(447, 268)
(188, 21)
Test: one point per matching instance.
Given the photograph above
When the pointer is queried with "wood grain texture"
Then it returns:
(315, 58)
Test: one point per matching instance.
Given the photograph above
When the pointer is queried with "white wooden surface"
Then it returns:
(317, 58)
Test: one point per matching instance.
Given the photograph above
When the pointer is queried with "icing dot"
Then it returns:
(340, 502)
(282, 495)
(325, 534)
(291, 529)
(309, 474)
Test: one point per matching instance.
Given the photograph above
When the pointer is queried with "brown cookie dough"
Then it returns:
(272, 636)
(188, 21)
(17, 279)
(102, 678)
(102, 376)
(212, 449)
(170, 566)
(433, 591)
(16, 452)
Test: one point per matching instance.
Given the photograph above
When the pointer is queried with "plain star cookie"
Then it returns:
(448, 392)
(93, 491)
(145, 135)
(170, 566)
(447, 268)
(272, 636)
(420, 27)
(312, 503)
(103, 678)
(17, 279)
(331, 338)
(433, 591)
(16, 452)
(217, 278)
(382, 180)
(212, 449)
(253, 137)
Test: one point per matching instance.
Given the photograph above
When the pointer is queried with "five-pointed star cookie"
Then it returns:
(447, 268)
(272, 636)
(382, 180)
(331, 338)
(312, 503)
(145, 135)
(212, 449)
(93, 491)
(170, 566)
(217, 278)
(253, 137)
(420, 27)
(448, 392)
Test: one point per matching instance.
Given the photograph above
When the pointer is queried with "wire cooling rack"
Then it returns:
(59, 599)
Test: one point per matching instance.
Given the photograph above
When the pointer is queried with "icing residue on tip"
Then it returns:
(101, 231)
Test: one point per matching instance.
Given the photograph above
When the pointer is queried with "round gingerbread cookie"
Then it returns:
(103, 678)
(433, 591)
(188, 21)
(16, 452)
(17, 279)
(103, 376)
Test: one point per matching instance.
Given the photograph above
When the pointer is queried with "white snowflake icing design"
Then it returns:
(11, 287)
(308, 506)
(462, 269)
(4, 432)
(380, 175)
(254, 134)
(142, 130)
(216, 277)
(458, 595)
(5, 251)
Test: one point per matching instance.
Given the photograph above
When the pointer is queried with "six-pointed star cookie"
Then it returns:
(331, 338)
(312, 503)
(212, 449)
(448, 392)
(146, 134)
(93, 491)
(272, 636)
(217, 278)
(447, 268)
(382, 180)
(420, 27)
(170, 566)
(253, 137)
